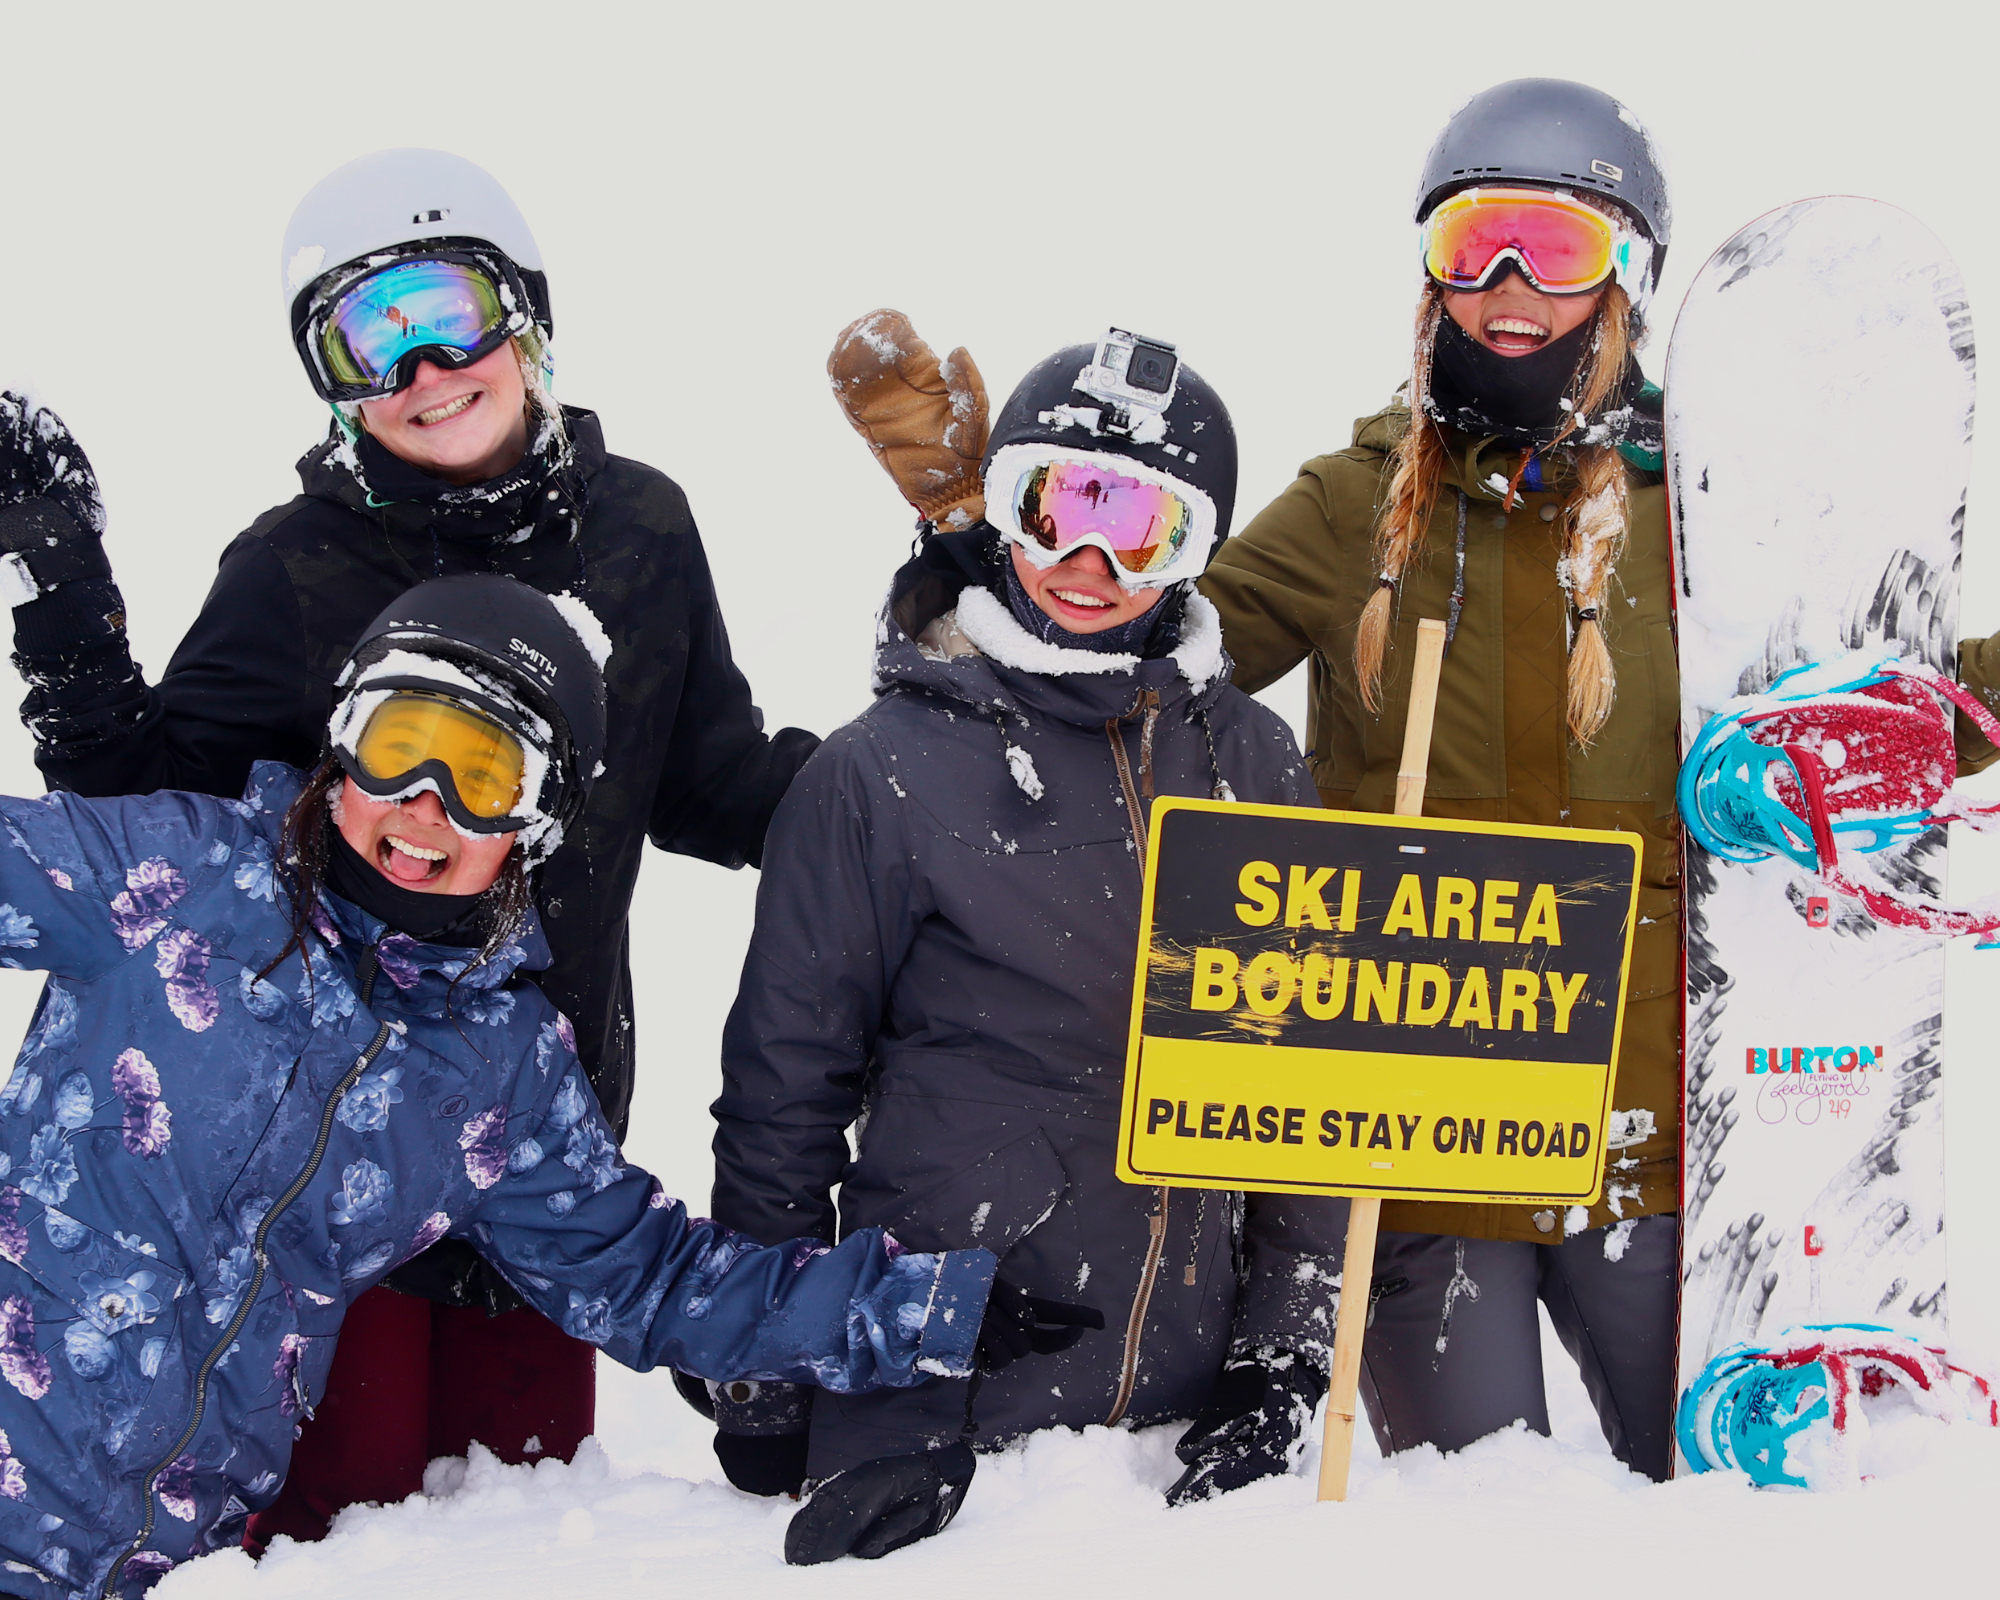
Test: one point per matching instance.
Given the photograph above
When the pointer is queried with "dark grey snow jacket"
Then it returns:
(943, 961)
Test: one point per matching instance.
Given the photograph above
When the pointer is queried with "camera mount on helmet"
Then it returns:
(1135, 377)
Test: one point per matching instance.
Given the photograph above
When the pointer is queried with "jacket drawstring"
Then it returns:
(1458, 577)
(1218, 786)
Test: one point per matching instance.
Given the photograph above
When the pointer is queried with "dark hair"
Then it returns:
(301, 869)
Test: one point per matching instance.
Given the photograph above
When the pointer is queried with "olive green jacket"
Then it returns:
(1291, 588)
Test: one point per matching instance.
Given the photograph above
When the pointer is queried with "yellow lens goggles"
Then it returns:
(487, 766)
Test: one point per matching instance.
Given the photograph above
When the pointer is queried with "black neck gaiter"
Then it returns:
(1483, 393)
(454, 919)
(542, 484)
(1152, 633)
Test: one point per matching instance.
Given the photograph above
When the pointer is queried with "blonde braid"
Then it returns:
(1594, 520)
(1417, 470)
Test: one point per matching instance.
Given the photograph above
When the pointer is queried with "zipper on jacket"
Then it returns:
(1135, 1322)
(366, 969)
(1147, 705)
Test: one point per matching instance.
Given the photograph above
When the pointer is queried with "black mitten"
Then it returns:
(880, 1506)
(1254, 1425)
(761, 1434)
(51, 514)
(1020, 1324)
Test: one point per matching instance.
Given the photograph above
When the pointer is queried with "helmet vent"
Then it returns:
(437, 215)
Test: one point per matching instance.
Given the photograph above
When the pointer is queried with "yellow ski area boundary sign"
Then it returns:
(1389, 1007)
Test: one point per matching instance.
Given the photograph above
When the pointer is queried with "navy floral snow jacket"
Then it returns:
(199, 1171)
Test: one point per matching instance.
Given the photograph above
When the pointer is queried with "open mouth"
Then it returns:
(1515, 335)
(445, 412)
(409, 864)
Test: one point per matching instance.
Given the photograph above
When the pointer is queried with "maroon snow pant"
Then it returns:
(412, 1380)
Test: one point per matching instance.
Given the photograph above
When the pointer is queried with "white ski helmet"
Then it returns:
(394, 199)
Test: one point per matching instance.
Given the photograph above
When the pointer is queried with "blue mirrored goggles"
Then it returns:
(369, 337)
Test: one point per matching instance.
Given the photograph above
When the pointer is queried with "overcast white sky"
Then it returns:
(718, 189)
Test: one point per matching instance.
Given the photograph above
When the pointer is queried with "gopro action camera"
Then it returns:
(1132, 371)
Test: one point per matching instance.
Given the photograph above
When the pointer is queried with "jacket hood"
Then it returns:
(363, 476)
(1014, 671)
(1482, 467)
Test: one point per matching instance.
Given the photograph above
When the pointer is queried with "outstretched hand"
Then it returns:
(925, 419)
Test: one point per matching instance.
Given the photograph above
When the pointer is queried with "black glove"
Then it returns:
(880, 1506)
(761, 1433)
(1020, 1324)
(51, 514)
(1254, 1425)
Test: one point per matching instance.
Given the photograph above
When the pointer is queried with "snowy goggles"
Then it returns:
(1152, 529)
(1560, 245)
(367, 341)
(479, 767)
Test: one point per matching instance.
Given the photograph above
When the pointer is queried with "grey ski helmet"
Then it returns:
(1549, 131)
(1125, 396)
(400, 203)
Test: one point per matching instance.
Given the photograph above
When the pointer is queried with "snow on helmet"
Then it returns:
(393, 204)
(1130, 398)
(1552, 133)
(531, 662)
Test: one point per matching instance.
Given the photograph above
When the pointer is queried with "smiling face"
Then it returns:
(413, 844)
(463, 424)
(1080, 593)
(1515, 318)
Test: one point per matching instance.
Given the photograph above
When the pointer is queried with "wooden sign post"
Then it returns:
(1364, 1214)
(1380, 1006)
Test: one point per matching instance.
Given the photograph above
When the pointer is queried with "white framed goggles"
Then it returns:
(1049, 501)
(1557, 242)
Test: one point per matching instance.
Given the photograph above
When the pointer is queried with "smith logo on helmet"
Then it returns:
(1338, 1003)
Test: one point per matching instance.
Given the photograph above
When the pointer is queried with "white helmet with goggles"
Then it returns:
(407, 255)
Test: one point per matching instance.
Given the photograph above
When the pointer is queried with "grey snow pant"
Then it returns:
(1455, 1348)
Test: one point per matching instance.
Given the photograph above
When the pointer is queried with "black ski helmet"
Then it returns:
(1549, 131)
(1127, 396)
(534, 663)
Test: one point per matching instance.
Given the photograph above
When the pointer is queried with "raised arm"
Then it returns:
(236, 690)
(86, 883)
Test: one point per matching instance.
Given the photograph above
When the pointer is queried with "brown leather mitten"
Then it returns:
(925, 419)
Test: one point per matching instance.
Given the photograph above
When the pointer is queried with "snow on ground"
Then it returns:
(1516, 1514)
(1081, 1514)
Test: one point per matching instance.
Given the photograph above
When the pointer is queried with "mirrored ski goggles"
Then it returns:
(1153, 530)
(479, 766)
(1560, 245)
(368, 338)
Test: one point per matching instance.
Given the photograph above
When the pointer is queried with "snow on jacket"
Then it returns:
(943, 955)
(202, 1170)
(686, 762)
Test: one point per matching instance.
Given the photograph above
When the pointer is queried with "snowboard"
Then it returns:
(1819, 393)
